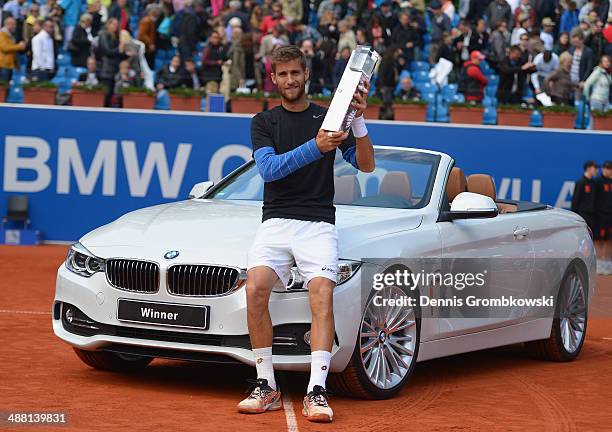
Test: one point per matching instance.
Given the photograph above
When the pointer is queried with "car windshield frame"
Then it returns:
(434, 161)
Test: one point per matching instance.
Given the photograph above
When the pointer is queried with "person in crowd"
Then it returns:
(472, 81)
(191, 75)
(212, 58)
(235, 11)
(498, 10)
(407, 92)
(121, 13)
(256, 17)
(293, 9)
(189, 25)
(597, 86)
(71, 11)
(56, 17)
(500, 41)
(477, 10)
(28, 23)
(603, 210)
(91, 77)
(126, 77)
(147, 32)
(522, 27)
(446, 50)
(439, 21)
(595, 40)
(301, 32)
(94, 8)
(559, 85)
(236, 56)
(80, 45)
(340, 65)
(170, 75)
(347, 36)
(547, 33)
(463, 35)
(9, 49)
(524, 10)
(43, 53)
(387, 17)
(546, 63)
(111, 52)
(316, 67)
(512, 76)
(569, 18)
(584, 197)
(563, 43)
(15, 9)
(582, 59)
(448, 8)
(404, 35)
(269, 21)
(387, 79)
(269, 41)
(480, 38)
(378, 34)
(545, 8)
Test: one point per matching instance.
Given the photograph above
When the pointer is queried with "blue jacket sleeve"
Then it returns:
(275, 167)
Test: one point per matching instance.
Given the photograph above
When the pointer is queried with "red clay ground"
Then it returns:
(498, 389)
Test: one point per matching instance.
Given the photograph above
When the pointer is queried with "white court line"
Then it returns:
(607, 338)
(24, 312)
(288, 407)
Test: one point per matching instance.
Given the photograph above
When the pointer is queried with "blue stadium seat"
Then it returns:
(488, 101)
(458, 98)
(417, 66)
(449, 91)
(583, 116)
(493, 80)
(528, 93)
(63, 59)
(15, 95)
(489, 116)
(490, 91)
(162, 101)
(535, 120)
(216, 103)
(421, 76)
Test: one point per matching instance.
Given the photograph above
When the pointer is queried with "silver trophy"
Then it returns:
(359, 69)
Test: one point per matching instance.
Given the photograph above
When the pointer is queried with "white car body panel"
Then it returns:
(210, 231)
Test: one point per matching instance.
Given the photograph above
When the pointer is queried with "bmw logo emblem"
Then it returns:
(171, 254)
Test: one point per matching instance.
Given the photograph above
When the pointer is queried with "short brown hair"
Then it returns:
(287, 53)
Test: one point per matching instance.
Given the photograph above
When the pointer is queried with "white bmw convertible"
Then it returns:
(168, 281)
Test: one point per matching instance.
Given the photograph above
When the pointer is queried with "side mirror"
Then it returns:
(199, 189)
(468, 205)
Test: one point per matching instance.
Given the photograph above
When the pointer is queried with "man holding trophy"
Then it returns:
(294, 147)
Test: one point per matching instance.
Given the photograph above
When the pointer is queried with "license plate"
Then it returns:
(168, 314)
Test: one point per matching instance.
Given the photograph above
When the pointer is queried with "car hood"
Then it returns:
(221, 231)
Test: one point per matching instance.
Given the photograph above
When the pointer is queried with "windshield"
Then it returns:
(402, 179)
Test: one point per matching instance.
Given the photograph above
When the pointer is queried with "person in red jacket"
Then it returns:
(269, 21)
(473, 80)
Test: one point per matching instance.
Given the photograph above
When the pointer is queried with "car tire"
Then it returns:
(561, 346)
(355, 381)
(109, 361)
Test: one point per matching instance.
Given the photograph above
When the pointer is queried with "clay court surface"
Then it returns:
(498, 389)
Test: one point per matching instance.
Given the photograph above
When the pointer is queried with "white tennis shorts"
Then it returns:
(282, 243)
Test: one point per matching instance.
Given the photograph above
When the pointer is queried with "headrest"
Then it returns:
(456, 184)
(396, 183)
(347, 189)
(482, 184)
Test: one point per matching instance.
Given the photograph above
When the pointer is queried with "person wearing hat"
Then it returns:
(583, 199)
(603, 207)
(548, 27)
(472, 80)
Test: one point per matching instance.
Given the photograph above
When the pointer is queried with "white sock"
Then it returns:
(263, 364)
(318, 369)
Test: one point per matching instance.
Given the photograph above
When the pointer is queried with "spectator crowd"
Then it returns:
(557, 50)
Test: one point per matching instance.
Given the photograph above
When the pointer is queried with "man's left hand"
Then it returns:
(360, 99)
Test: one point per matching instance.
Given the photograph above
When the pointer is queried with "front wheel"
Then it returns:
(385, 352)
(109, 361)
(569, 324)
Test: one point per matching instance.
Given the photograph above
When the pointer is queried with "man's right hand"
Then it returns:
(328, 141)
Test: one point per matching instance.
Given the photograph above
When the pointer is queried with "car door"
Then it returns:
(499, 247)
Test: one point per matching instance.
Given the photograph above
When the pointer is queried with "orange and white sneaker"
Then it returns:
(316, 408)
(262, 398)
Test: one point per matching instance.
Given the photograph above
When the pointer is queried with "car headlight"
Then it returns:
(346, 270)
(83, 262)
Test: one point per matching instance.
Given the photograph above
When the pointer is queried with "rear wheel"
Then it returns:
(111, 361)
(386, 350)
(569, 324)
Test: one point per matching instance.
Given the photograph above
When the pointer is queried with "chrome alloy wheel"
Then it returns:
(387, 339)
(573, 314)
